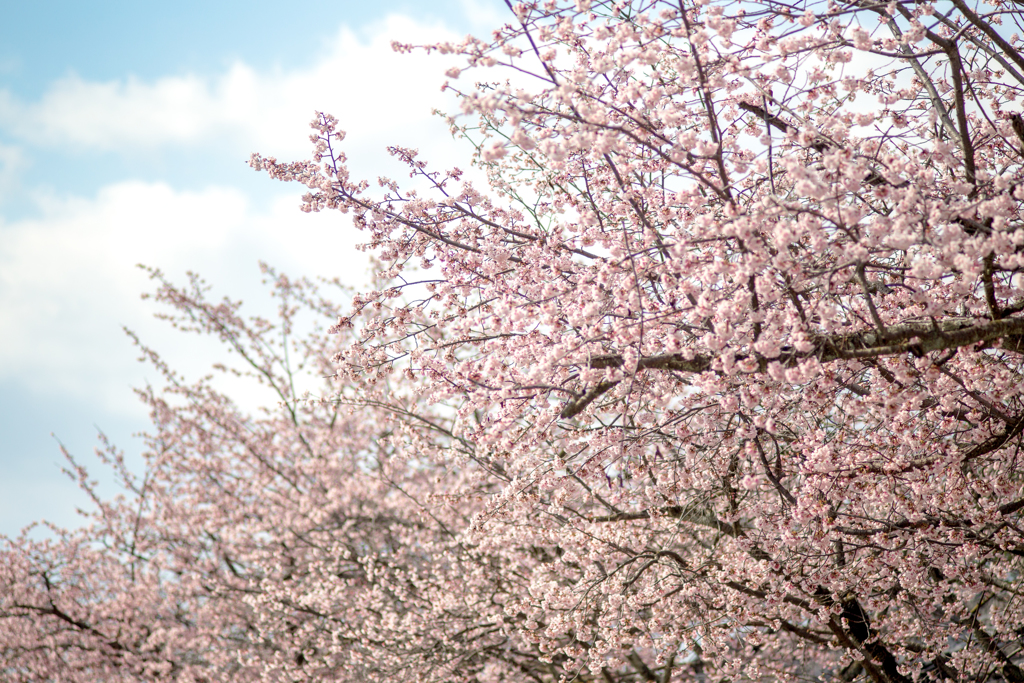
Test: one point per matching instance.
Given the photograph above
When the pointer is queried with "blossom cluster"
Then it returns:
(717, 376)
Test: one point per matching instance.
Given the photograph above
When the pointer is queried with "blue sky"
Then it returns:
(124, 130)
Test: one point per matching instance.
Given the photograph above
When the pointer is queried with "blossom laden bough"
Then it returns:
(719, 377)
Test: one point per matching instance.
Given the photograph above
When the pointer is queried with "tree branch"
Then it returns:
(917, 337)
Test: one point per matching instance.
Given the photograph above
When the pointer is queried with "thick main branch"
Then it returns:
(916, 337)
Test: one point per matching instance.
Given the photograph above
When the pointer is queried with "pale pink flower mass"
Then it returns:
(717, 377)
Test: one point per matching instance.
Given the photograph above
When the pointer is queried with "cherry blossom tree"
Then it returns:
(219, 561)
(716, 374)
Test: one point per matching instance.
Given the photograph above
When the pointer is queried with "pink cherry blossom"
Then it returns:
(717, 377)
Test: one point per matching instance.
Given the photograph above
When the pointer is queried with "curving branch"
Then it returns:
(915, 337)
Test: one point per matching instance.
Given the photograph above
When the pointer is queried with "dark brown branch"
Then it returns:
(987, 29)
(689, 513)
(917, 337)
(820, 144)
(1011, 672)
(995, 442)
(641, 667)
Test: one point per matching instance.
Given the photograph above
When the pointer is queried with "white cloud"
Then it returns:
(371, 89)
(68, 280)
(12, 163)
(487, 16)
(68, 283)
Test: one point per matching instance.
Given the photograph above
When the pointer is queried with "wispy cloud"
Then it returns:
(361, 80)
(68, 280)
